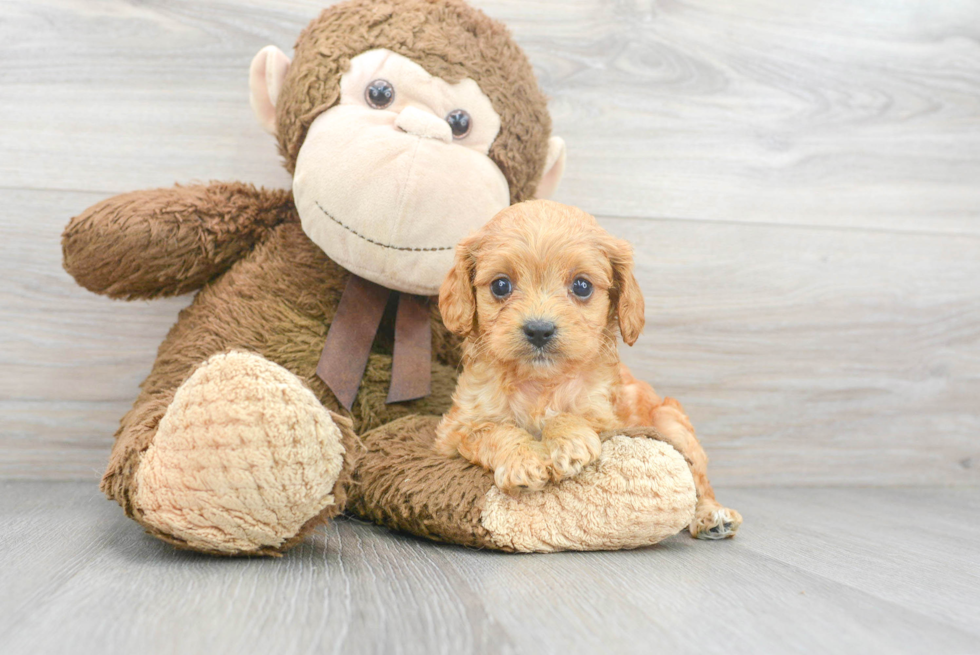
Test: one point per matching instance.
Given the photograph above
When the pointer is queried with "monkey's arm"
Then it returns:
(165, 242)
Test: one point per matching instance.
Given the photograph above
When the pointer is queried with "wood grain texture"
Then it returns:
(810, 355)
(800, 180)
(824, 113)
(814, 570)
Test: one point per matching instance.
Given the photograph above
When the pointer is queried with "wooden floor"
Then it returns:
(815, 570)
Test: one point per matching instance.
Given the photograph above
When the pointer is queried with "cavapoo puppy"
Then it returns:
(539, 294)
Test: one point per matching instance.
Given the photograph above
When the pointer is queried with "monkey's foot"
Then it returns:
(712, 521)
(244, 462)
(637, 493)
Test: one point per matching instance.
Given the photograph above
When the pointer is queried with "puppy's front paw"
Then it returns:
(572, 451)
(525, 470)
(712, 521)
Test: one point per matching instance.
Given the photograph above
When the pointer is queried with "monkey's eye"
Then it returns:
(460, 123)
(379, 94)
(582, 288)
(501, 287)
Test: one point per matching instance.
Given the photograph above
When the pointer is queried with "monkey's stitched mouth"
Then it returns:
(378, 243)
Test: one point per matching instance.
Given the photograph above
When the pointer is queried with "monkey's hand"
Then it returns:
(165, 242)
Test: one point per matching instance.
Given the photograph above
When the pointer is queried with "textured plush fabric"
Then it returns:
(639, 492)
(245, 456)
(265, 77)
(165, 242)
(448, 38)
(401, 482)
(408, 158)
(276, 302)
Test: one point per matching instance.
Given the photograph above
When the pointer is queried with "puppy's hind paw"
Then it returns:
(715, 522)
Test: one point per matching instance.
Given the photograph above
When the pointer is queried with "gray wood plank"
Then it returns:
(81, 577)
(57, 439)
(914, 547)
(815, 356)
(60, 342)
(828, 113)
(791, 112)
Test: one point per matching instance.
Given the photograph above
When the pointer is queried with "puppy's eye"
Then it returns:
(582, 288)
(379, 94)
(460, 123)
(501, 287)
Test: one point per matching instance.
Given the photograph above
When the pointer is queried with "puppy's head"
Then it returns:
(542, 287)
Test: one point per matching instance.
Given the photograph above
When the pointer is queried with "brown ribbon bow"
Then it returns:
(345, 353)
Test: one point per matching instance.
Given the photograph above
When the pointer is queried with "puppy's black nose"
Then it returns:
(539, 332)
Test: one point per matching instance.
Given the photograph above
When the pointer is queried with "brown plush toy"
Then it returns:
(308, 374)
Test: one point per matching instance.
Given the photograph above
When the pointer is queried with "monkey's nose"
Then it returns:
(539, 332)
(424, 124)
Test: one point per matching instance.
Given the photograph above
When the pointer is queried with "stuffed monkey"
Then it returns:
(309, 372)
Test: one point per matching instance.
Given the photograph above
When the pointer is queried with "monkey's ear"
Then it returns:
(265, 78)
(630, 307)
(554, 168)
(457, 298)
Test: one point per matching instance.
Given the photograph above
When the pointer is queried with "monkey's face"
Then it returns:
(390, 178)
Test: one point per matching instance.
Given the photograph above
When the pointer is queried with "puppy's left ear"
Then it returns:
(457, 299)
(630, 308)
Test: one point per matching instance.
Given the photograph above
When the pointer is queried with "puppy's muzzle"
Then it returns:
(539, 333)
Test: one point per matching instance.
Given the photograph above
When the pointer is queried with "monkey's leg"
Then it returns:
(240, 459)
(638, 493)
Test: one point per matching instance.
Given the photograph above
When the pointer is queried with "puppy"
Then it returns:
(539, 294)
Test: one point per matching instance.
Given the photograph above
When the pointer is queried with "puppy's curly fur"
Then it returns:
(540, 294)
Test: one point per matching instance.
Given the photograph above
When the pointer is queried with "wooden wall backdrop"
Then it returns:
(801, 179)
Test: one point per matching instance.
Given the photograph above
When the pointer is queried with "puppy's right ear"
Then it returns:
(457, 298)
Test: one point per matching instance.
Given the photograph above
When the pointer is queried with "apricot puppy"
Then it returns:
(540, 294)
